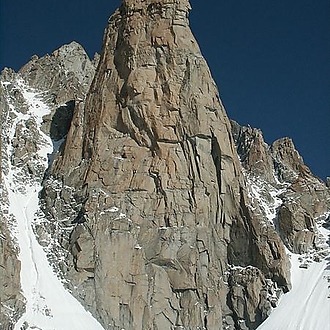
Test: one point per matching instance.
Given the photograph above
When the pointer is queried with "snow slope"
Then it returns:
(48, 305)
(307, 305)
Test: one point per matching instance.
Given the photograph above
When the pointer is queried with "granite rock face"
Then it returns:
(149, 176)
(11, 299)
(303, 196)
(157, 211)
(65, 74)
(62, 80)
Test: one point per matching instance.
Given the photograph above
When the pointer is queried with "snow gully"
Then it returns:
(48, 305)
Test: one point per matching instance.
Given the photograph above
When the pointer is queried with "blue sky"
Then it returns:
(270, 59)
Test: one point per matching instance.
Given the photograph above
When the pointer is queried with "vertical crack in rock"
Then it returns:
(216, 155)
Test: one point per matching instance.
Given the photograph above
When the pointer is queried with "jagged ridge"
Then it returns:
(153, 217)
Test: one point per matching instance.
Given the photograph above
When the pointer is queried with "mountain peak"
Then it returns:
(156, 3)
(153, 147)
(156, 210)
(176, 11)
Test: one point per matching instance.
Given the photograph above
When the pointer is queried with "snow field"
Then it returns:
(307, 305)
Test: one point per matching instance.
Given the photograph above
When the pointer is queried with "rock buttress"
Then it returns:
(151, 161)
(304, 197)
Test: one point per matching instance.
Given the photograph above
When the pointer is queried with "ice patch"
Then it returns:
(266, 196)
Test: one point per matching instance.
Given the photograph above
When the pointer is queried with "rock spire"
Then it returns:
(162, 217)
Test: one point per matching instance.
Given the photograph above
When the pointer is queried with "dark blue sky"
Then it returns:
(270, 59)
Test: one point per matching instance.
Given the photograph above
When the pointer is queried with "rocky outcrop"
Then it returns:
(20, 142)
(157, 211)
(62, 80)
(297, 228)
(328, 182)
(11, 300)
(249, 296)
(253, 152)
(65, 74)
(150, 180)
(304, 197)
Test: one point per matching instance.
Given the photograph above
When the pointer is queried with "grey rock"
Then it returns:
(254, 153)
(45, 76)
(11, 299)
(297, 228)
(66, 74)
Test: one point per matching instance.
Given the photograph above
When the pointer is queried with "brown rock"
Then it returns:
(253, 151)
(304, 196)
(152, 159)
(290, 163)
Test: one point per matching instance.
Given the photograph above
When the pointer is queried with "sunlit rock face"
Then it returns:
(156, 211)
(303, 196)
(150, 182)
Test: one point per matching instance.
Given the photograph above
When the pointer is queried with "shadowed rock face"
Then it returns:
(150, 177)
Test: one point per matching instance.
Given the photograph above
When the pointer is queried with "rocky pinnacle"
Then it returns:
(164, 224)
